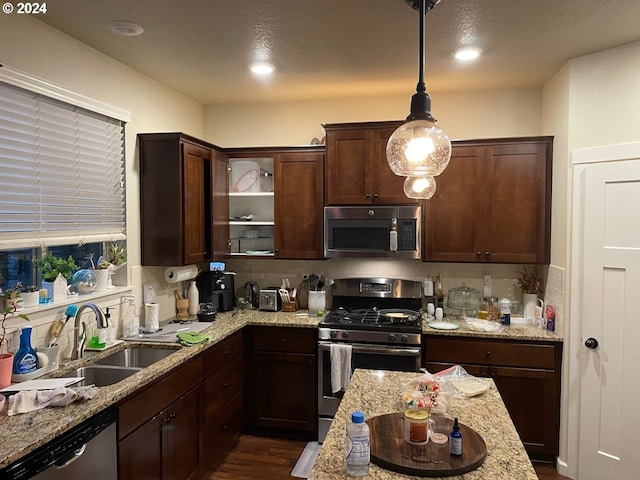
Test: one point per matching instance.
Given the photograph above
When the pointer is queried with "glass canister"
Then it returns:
(266, 181)
(489, 308)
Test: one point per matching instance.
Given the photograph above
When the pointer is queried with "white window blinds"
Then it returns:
(61, 172)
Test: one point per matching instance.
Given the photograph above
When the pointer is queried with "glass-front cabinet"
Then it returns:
(251, 206)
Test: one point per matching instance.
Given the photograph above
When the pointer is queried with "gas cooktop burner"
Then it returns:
(373, 318)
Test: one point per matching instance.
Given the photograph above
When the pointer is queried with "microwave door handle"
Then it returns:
(393, 235)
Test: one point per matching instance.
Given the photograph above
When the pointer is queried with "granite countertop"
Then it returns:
(510, 332)
(23, 433)
(377, 392)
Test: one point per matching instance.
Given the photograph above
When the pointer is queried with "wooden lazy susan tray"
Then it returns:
(390, 451)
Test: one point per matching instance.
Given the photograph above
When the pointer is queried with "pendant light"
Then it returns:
(419, 148)
(419, 187)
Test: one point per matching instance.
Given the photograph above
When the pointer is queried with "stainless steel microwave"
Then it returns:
(377, 231)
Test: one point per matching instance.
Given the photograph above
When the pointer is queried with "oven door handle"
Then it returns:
(377, 349)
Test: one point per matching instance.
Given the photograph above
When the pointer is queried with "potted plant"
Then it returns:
(6, 358)
(55, 272)
(530, 282)
(102, 272)
(24, 296)
(30, 296)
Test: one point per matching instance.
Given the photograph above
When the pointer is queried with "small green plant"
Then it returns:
(117, 254)
(530, 282)
(10, 308)
(51, 266)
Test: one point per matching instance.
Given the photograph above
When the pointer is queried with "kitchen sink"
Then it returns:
(101, 375)
(138, 357)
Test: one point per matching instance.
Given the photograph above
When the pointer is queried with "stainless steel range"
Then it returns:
(380, 319)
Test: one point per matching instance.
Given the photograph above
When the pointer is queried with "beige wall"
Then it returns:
(481, 114)
(605, 98)
(33, 47)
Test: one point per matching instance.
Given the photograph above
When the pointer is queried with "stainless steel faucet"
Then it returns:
(80, 339)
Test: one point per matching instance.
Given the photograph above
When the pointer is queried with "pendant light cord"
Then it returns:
(421, 87)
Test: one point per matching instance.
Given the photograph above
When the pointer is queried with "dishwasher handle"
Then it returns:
(71, 458)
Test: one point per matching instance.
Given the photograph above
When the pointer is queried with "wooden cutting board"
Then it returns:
(390, 451)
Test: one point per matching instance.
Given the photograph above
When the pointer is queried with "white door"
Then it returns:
(607, 262)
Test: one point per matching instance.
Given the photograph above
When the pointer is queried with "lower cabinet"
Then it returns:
(527, 375)
(284, 381)
(222, 399)
(158, 428)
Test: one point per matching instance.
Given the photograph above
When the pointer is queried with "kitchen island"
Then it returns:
(377, 392)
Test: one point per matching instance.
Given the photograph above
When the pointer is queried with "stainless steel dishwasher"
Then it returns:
(88, 450)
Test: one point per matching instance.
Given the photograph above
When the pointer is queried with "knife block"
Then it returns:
(290, 306)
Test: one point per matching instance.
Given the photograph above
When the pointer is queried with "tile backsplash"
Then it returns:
(271, 272)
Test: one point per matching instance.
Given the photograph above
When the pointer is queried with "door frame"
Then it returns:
(573, 341)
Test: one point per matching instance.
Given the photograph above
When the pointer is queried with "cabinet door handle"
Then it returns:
(368, 195)
(478, 253)
(487, 253)
(283, 340)
(226, 384)
(488, 354)
(375, 195)
(227, 352)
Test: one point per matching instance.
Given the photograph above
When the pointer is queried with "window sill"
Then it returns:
(74, 299)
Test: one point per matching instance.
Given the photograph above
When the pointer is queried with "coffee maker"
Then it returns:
(217, 287)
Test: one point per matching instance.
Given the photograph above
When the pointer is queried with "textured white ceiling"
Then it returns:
(331, 48)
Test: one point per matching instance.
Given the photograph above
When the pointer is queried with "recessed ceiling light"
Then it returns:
(467, 53)
(262, 68)
(127, 29)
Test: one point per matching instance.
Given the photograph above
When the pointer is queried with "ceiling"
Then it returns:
(344, 48)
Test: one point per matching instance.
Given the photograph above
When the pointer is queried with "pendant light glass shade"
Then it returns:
(419, 187)
(418, 148)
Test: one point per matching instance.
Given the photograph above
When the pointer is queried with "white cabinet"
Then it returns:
(251, 206)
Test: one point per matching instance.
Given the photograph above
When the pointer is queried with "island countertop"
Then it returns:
(377, 392)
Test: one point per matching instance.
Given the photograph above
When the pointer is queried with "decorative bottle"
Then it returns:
(358, 446)
(25, 359)
(194, 298)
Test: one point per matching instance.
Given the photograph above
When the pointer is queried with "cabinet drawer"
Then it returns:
(220, 387)
(485, 352)
(142, 406)
(217, 357)
(221, 433)
(285, 339)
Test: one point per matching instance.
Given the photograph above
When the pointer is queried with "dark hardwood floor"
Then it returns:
(273, 459)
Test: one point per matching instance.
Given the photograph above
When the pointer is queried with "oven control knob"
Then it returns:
(345, 334)
(404, 339)
(392, 337)
(333, 334)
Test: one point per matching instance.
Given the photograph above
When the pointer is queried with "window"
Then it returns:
(61, 176)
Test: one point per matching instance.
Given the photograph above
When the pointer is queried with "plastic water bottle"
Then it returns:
(358, 448)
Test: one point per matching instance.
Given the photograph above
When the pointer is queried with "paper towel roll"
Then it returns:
(180, 274)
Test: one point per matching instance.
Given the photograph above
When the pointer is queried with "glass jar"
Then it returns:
(266, 181)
